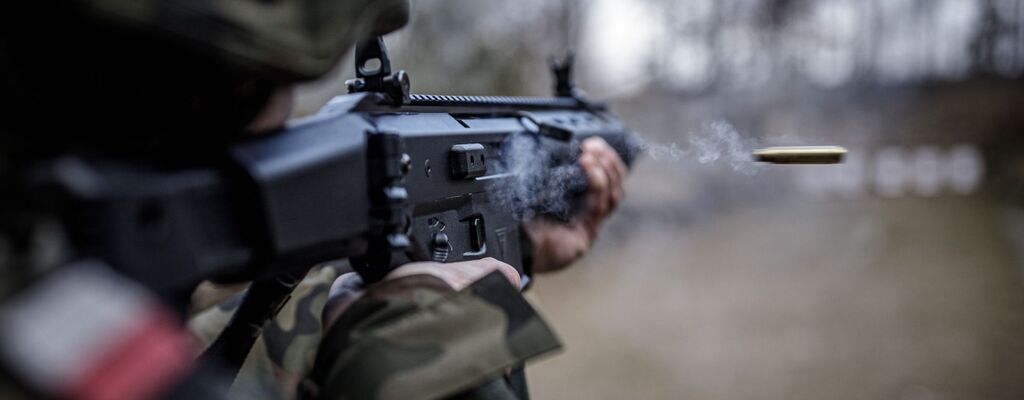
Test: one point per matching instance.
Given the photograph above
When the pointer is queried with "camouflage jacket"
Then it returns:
(408, 338)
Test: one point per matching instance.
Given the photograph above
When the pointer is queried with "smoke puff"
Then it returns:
(536, 184)
(716, 142)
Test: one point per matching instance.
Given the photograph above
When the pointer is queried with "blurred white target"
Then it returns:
(965, 169)
(892, 172)
(928, 171)
(849, 177)
(812, 182)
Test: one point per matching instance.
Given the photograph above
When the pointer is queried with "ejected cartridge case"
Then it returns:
(800, 155)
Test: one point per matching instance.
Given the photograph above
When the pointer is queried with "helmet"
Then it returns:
(93, 74)
(287, 39)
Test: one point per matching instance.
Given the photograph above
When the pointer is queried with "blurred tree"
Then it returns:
(700, 46)
(706, 45)
(478, 47)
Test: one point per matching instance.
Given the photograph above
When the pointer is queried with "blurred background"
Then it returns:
(898, 275)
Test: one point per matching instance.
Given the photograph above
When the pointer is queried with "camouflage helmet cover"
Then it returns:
(291, 39)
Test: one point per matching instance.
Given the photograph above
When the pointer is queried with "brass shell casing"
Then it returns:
(800, 155)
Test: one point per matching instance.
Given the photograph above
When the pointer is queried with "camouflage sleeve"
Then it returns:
(415, 337)
(285, 351)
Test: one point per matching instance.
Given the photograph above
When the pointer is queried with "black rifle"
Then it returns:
(379, 176)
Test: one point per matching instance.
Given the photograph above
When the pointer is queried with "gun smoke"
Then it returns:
(536, 184)
(717, 142)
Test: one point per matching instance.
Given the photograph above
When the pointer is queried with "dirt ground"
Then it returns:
(906, 299)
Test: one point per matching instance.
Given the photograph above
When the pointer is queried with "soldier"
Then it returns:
(169, 82)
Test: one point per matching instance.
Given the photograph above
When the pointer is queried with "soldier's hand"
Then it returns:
(558, 244)
(349, 287)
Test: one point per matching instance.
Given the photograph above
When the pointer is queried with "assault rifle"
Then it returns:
(380, 176)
